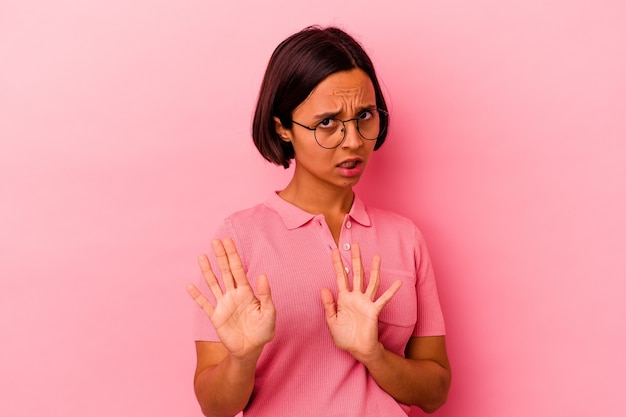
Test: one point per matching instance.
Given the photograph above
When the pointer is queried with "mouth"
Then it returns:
(351, 168)
(350, 164)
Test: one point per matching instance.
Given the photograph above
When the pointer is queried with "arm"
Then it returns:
(222, 383)
(421, 378)
(225, 370)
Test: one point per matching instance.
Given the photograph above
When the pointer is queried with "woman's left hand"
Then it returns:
(353, 319)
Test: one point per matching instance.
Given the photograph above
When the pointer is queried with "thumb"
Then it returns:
(263, 290)
(329, 303)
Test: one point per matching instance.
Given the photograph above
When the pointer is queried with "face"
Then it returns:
(342, 95)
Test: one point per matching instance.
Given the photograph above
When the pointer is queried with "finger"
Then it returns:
(264, 292)
(340, 272)
(209, 276)
(200, 299)
(224, 265)
(236, 267)
(328, 301)
(374, 280)
(357, 268)
(388, 295)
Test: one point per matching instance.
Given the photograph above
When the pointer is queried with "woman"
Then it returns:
(334, 336)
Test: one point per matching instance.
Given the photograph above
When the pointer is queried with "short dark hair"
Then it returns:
(296, 67)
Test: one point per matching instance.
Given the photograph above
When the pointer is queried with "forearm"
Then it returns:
(224, 390)
(420, 382)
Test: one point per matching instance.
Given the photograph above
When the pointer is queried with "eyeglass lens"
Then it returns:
(329, 133)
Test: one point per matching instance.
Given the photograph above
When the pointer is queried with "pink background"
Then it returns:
(124, 132)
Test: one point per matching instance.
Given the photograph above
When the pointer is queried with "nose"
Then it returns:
(352, 137)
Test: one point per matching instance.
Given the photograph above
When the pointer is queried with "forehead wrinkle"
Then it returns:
(351, 91)
(353, 100)
(340, 100)
(350, 96)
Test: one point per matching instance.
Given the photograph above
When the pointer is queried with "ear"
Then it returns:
(283, 132)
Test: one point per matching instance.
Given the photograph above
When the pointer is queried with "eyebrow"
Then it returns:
(334, 114)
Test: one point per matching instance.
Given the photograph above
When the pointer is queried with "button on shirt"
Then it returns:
(301, 371)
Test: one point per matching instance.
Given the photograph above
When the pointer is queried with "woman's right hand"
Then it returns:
(244, 323)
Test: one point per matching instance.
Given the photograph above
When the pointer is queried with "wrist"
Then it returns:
(372, 357)
(248, 359)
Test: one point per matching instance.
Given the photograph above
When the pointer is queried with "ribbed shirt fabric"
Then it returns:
(301, 372)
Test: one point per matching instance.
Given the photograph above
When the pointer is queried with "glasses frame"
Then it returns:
(384, 113)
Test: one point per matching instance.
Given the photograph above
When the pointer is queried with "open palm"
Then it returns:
(243, 322)
(353, 319)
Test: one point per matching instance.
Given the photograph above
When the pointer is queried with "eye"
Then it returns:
(366, 115)
(327, 123)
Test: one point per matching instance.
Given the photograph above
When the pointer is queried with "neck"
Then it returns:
(329, 201)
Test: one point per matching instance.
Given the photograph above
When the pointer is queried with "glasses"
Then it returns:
(331, 132)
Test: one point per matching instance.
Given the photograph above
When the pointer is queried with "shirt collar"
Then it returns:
(358, 213)
(294, 217)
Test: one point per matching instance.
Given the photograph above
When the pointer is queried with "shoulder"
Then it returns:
(388, 216)
(245, 221)
(250, 214)
(393, 222)
(251, 228)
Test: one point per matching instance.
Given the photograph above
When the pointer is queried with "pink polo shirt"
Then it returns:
(301, 372)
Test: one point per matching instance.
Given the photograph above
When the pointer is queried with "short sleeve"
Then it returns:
(430, 320)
